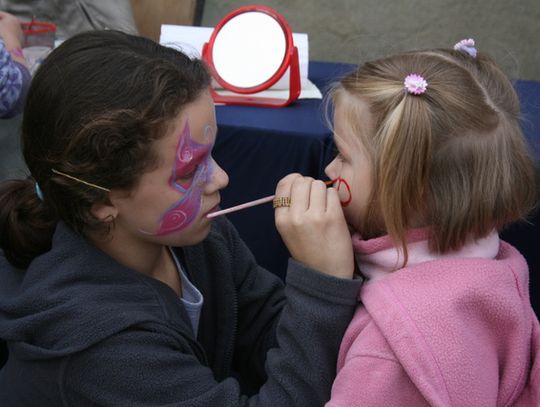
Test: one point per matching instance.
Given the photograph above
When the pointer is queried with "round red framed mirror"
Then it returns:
(249, 51)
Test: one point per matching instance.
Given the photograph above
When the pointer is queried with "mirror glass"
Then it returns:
(248, 60)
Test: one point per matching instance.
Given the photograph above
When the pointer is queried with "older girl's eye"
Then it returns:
(185, 180)
(189, 175)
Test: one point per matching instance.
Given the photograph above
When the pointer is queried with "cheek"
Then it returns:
(353, 200)
(350, 215)
(344, 190)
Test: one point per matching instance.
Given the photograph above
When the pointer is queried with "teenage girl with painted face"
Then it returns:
(432, 163)
(116, 288)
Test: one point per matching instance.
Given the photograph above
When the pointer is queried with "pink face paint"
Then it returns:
(341, 181)
(189, 157)
(192, 170)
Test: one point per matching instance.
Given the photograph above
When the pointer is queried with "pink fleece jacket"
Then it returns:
(452, 330)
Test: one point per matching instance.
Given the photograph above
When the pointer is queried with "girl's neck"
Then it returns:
(152, 259)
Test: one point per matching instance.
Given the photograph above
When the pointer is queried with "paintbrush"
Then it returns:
(250, 204)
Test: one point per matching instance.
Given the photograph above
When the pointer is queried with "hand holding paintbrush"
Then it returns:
(270, 198)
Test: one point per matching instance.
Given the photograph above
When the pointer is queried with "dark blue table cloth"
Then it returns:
(258, 146)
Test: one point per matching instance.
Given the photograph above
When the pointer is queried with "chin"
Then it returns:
(202, 233)
(194, 234)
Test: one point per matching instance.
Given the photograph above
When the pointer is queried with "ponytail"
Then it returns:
(403, 164)
(26, 224)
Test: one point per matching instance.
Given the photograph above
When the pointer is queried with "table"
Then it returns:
(258, 146)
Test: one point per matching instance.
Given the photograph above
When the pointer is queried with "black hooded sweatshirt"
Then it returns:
(83, 330)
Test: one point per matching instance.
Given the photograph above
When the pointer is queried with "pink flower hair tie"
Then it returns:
(415, 84)
(466, 45)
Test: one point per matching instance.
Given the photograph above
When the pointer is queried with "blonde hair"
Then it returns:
(455, 154)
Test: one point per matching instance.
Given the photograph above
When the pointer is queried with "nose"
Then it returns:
(219, 179)
(331, 170)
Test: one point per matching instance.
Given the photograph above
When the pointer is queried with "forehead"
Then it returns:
(200, 118)
(352, 120)
(197, 121)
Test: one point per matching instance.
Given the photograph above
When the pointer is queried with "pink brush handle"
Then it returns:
(241, 206)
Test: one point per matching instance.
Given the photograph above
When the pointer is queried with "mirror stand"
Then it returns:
(252, 99)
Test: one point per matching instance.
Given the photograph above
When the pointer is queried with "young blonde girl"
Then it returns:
(431, 164)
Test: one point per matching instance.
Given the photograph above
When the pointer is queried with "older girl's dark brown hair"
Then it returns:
(94, 108)
(455, 154)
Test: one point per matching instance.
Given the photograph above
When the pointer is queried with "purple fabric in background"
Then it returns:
(14, 83)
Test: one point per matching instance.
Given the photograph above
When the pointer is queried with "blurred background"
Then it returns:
(350, 31)
(358, 30)
(340, 30)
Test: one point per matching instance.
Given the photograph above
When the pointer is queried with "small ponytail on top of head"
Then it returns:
(26, 224)
(403, 162)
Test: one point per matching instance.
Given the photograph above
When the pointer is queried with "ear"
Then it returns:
(105, 211)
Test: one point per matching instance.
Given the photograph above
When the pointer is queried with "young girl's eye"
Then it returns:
(336, 154)
(335, 151)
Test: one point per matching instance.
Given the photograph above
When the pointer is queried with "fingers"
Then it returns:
(308, 196)
(318, 196)
(332, 199)
(284, 186)
(306, 193)
(10, 30)
(7, 18)
(300, 194)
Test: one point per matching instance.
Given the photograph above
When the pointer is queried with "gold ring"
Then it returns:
(282, 201)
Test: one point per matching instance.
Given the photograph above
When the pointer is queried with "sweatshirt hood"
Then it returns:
(71, 298)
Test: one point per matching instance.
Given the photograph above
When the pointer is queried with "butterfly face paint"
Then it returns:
(192, 170)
